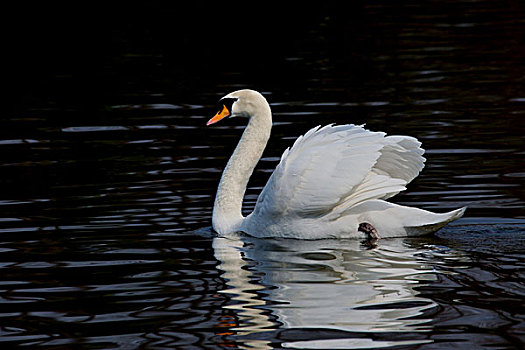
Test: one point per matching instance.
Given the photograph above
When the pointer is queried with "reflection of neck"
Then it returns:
(243, 290)
(227, 215)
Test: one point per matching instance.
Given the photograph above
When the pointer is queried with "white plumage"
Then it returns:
(329, 182)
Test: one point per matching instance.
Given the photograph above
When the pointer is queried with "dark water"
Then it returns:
(107, 170)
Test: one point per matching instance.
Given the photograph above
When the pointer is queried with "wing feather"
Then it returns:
(331, 169)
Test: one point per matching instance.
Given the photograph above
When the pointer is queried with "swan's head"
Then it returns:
(241, 103)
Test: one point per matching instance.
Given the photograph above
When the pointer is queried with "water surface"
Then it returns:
(108, 175)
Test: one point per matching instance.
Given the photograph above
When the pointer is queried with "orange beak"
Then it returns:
(224, 112)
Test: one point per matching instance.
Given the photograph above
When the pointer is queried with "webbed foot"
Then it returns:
(370, 230)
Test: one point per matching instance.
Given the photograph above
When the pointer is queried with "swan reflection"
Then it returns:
(324, 284)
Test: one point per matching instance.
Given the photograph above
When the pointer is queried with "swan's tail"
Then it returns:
(439, 221)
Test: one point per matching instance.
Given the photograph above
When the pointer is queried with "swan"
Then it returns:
(332, 183)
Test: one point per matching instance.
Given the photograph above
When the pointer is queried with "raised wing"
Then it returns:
(330, 169)
(401, 158)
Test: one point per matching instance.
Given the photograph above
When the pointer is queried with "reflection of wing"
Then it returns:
(338, 167)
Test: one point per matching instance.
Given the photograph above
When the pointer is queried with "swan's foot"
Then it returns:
(370, 230)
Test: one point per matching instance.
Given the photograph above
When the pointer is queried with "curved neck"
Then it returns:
(227, 216)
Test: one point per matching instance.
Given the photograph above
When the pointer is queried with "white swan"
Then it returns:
(332, 183)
